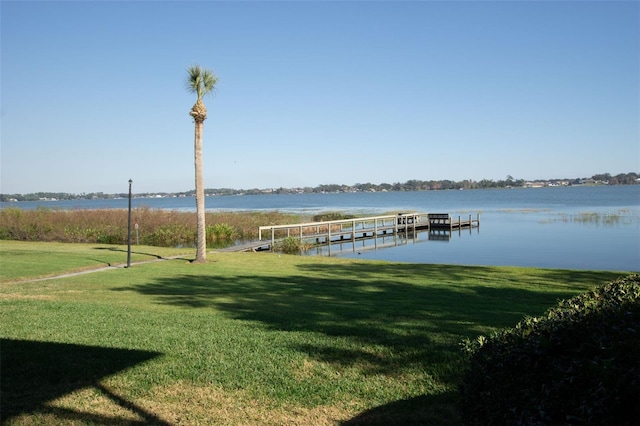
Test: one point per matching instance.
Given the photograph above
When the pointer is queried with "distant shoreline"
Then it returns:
(411, 185)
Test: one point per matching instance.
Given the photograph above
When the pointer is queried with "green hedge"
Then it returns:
(579, 363)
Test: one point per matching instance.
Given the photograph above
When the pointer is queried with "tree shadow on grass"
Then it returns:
(118, 249)
(439, 409)
(36, 373)
(141, 253)
(359, 301)
(413, 315)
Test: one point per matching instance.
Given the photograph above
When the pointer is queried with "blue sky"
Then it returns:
(312, 92)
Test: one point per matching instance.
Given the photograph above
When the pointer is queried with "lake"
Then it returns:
(577, 227)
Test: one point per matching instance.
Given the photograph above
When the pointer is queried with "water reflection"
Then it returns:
(386, 241)
(541, 239)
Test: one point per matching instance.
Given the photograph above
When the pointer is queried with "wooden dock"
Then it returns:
(352, 230)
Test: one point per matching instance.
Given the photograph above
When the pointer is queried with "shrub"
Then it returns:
(579, 363)
(220, 235)
(291, 245)
(110, 235)
(172, 235)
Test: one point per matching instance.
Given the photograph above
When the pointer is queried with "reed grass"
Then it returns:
(608, 218)
(155, 227)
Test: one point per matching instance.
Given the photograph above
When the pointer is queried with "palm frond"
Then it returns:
(209, 81)
(193, 79)
(200, 80)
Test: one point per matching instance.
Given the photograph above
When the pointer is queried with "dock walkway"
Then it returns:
(352, 230)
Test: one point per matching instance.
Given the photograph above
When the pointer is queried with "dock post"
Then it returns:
(375, 233)
(353, 234)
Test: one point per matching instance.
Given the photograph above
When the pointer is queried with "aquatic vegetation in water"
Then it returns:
(292, 245)
(607, 218)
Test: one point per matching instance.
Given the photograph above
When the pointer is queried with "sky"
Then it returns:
(93, 93)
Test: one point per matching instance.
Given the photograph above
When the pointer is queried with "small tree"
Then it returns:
(200, 81)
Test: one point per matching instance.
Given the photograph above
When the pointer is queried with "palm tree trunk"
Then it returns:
(201, 236)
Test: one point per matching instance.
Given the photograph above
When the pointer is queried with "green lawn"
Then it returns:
(249, 338)
(22, 260)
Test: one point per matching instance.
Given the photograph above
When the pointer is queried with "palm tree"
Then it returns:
(200, 81)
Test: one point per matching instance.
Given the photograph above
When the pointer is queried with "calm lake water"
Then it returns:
(578, 227)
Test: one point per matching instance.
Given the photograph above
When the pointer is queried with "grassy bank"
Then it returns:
(251, 338)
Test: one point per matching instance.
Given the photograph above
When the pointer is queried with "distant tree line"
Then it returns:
(36, 196)
(621, 179)
(410, 185)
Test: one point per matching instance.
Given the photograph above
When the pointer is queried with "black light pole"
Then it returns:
(129, 231)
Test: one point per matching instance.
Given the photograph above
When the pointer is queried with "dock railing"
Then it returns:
(344, 229)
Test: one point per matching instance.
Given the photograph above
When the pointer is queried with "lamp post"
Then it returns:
(129, 229)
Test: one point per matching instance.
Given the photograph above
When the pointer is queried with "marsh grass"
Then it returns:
(609, 218)
(155, 227)
(257, 338)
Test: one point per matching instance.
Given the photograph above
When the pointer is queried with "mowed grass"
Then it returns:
(24, 260)
(253, 338)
